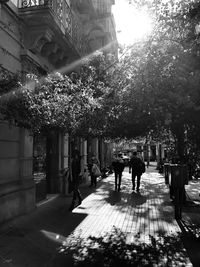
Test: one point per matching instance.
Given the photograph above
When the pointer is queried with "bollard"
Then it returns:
(179, 198)
(178, 178)
(166, 172)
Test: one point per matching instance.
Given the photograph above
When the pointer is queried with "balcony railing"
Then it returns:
(77, 35)
(68, 22)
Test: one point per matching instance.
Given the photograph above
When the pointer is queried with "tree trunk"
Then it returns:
(178, 131)
(180, 146)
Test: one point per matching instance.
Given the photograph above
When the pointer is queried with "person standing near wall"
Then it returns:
(75, 173)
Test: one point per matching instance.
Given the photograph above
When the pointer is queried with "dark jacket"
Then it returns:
(76, 169)
(137, 165)
(118, 165)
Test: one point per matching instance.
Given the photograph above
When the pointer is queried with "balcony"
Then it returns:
(52, 30)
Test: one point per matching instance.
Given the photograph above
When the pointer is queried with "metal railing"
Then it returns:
(68, 21)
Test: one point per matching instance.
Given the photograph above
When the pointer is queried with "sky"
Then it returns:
(131, 24)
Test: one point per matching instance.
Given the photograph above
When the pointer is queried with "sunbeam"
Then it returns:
(73, 66)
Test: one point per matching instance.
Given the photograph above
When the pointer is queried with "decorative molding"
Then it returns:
(33, 59)
(10, 32)
(30, 66)
(6, 52)
(37, 39)
(7, 26)
(49, 48)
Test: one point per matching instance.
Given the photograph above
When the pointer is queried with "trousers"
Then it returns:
(134, 175)
(118, 178)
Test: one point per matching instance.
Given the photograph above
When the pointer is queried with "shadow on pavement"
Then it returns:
(34, 240)
(112, 250)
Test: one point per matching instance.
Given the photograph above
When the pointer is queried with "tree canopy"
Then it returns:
(161, 87)
(152, 89)
(50, 103)
(80, 102)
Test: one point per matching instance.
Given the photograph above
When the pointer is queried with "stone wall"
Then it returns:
(10, 44)
(17, 189)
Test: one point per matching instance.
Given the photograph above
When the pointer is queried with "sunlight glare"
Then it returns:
(131, 24)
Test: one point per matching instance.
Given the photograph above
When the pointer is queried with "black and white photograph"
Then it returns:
(99, 133)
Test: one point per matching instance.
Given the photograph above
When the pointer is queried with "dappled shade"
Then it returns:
(112, 249)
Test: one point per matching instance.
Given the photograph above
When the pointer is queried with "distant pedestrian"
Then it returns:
(147, 163)
(75, 173)
(137, 167)
(94, 168)
(95, 173)
(118, 167)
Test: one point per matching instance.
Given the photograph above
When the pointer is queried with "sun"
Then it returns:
(131, 24)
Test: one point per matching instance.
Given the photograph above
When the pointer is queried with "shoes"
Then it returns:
(138, 190)
(133, 188)
(118, 189)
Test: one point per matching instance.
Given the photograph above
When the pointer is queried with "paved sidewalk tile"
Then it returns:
(147, 212)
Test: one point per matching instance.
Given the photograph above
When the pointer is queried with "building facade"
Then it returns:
(39, 37)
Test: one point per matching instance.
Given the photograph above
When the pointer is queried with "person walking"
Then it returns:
(94, 171)
(137, 168)
(118, 167)
(75, 173)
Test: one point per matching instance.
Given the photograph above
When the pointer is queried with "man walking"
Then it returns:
(137, 167)
(118, 167)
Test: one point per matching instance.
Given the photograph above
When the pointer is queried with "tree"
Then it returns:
(162, 77)
(51, 103)
(99, 74)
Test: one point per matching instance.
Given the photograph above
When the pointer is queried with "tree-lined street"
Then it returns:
(151, 90)
(143, 92)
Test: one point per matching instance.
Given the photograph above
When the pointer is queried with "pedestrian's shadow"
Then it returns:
(114, 197)
(137, 199)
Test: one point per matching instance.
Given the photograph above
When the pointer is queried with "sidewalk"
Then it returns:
(33, 240)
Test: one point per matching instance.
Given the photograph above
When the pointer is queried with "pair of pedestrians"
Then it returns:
(136, 167)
